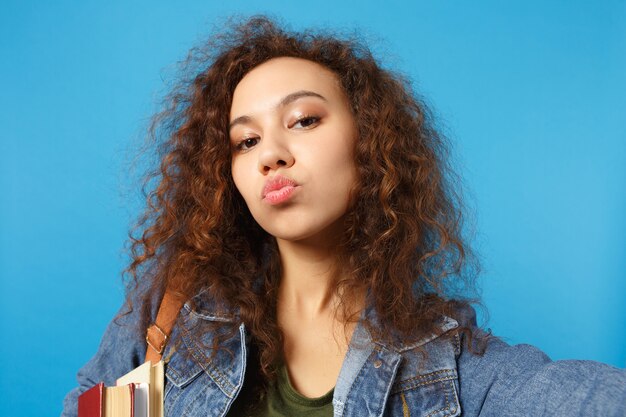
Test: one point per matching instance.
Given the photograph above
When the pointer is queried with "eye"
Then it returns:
(307, 121)
(246, 144)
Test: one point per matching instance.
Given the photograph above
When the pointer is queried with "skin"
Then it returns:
(309, 139)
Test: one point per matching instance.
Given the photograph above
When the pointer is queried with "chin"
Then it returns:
(326, 235)
(290, 235)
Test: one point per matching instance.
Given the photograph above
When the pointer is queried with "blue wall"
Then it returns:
(532, 94)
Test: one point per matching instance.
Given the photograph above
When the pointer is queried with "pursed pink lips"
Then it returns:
(278, 189)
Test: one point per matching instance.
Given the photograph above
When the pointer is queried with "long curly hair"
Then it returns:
(404, 242)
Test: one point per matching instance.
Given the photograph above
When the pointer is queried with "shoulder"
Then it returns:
(523, 380)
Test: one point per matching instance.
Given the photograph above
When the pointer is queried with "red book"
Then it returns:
(91, 402)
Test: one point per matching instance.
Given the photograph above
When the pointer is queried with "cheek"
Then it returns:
(348, 174)
(338, 162)
(239, 180)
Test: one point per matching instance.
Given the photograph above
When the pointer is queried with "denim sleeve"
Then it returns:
(122, 349)
(522, 381)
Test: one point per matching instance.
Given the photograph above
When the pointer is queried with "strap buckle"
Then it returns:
(159, 338)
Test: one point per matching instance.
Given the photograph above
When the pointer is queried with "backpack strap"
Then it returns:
(158, 332)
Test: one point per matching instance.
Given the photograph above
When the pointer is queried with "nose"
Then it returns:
(274, 153)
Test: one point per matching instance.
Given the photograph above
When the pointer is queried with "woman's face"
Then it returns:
(293, 137)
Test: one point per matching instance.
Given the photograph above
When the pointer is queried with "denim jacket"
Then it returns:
(376, 379)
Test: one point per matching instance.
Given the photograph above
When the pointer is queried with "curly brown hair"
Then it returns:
(403, 244)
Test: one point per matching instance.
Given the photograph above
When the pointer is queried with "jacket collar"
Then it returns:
(399, 344)
(207, 308)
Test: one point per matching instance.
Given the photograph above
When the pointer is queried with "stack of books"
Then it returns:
(139, 393)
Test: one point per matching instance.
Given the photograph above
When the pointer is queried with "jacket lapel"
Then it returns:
(398, 378)
(216, 379)
(366, 377)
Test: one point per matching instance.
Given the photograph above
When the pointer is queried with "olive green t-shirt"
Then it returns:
(282, 400)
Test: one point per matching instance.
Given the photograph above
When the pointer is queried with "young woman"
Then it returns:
(306, 215)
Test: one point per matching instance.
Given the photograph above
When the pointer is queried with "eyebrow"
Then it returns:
(288, 99)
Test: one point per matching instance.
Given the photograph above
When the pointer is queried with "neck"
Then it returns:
(308, 276)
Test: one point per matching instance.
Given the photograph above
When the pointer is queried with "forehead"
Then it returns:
(263, 87)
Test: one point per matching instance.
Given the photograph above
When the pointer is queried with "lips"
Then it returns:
(278, 189)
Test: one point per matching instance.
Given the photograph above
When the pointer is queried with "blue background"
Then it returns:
(532, 93)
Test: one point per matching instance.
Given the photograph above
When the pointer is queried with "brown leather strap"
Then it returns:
(159, 331)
